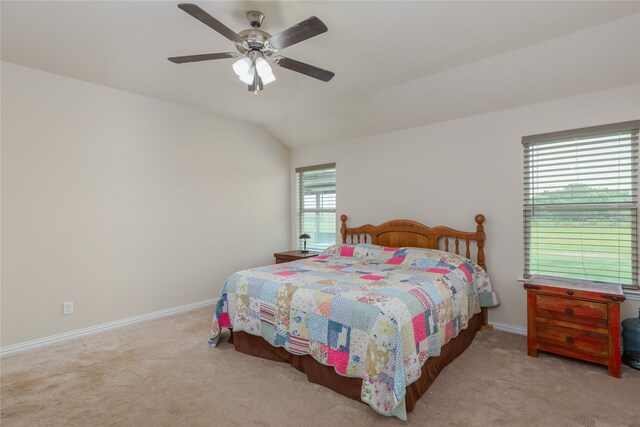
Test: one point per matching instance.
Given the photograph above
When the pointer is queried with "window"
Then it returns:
(317, 205)
(581, 202)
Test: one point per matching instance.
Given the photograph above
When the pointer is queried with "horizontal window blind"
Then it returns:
(581, 202)
(316, 187)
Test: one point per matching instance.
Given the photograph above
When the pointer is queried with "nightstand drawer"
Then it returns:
(572, 310)
(283, 258)
(573, 341)
(289, 256)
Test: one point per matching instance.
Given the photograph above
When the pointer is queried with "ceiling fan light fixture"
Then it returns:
(248, 77)
(242, 67)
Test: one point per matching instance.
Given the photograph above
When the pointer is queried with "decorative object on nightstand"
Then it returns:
(631, 341)
(292, 256)
(575, 318)
(304, 238)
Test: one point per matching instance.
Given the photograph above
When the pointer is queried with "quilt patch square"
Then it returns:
(268, 332)
(371, 277)
(364, 315)
(448, 331)
(396, 260)
(298, 345)
(341, 310)
(347, 250)
(285, 273)
(422, 296)
(268, 292)
(318, 327)
(267, 313)
(281, 339)
(467, 270)
(419, 328)
(339, 359)
(339, 336)
(255, 287)
(224, 320)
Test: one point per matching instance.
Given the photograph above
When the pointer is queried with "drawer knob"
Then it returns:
(569, 311)
(570, 340)
(569, 292)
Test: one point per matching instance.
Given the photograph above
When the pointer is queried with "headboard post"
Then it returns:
(481, 236)
(343, 228)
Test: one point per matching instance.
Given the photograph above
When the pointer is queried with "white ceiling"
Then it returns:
(397, 64)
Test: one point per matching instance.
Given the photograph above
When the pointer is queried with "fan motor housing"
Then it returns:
(255, 38)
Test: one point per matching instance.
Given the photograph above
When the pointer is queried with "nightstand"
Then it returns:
(575, 318)
(292, 256)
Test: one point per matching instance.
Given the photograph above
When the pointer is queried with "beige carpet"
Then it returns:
(161, 372)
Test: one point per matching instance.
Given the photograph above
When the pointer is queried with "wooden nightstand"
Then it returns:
(575, 318)
(292, 256)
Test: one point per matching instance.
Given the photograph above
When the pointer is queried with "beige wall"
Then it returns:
(447, 172)
(125, 204)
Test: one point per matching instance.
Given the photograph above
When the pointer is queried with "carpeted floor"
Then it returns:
(161, 373)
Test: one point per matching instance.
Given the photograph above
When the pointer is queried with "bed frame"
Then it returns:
(404, 232)
(396, 233)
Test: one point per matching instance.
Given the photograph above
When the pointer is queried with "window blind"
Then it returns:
(316, 188)
(581, 202)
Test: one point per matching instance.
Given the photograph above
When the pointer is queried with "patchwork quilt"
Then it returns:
(371, 312)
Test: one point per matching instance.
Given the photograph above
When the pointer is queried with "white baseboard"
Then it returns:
(519, 330)
(512, 329)
(102, 327)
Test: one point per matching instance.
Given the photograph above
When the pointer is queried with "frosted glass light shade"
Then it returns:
(242, 66)
(268, 79)
(248, 76)
(263, 68)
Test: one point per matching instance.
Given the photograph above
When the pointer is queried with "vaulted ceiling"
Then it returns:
(397, 64)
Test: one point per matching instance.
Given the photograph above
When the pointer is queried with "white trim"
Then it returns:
(102, 327)
(512, 329)
(632, 295)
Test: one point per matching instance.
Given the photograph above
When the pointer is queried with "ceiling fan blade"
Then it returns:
(301, 67)
(203, 57)
(306, 29)
(212, 22)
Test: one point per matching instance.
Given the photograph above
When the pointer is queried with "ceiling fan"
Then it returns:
(257, 48)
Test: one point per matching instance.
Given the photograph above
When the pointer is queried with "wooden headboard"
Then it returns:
(404, 232)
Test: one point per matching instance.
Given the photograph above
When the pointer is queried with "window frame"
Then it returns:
(300, 203)
(631, 206)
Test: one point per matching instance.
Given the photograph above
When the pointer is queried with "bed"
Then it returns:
(375, 318)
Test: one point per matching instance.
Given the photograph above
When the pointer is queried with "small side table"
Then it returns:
(575, 318)
(289, 256)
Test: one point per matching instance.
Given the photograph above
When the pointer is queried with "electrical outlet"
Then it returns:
(67, 308)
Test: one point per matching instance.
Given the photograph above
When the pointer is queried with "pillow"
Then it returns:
(361, 250)
(407, 257)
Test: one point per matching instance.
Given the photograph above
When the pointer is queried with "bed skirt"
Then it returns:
(350, 387)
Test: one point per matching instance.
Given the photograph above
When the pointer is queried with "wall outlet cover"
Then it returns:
(67, 308)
